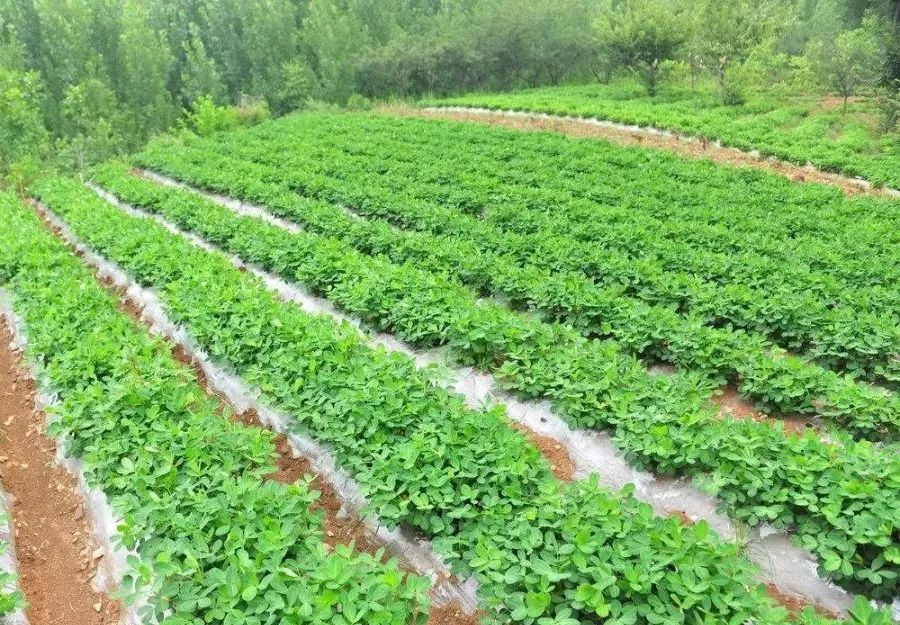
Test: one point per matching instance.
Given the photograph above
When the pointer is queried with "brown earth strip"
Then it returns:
(795, 605)
(731, 403)
(560, 463)
(679, 144)
(57, 558)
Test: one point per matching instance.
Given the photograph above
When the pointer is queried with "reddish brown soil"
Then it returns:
(730, 402)
(451, 615)
(831, 102)
(795, 605)
(683, 146)
(560, 463)
(682, 516)
(57, 558)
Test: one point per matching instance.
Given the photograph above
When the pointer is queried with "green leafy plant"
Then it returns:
(553, 265)
(462, 477)
(10, 596)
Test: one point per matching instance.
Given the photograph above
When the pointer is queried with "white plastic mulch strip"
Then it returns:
(659, 132)
(103, 522)
(8, 562)
(417, 554)
(790, 568)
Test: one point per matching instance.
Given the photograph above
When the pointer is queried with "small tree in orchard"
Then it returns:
(725, 33)
(642, 35)
(24, 141)
(852, 63)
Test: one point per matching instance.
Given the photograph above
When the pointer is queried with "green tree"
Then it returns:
(24, 139)
(296, 85)
(144, 65)
(277, 24)
(12, 51)
(199, 74)
(335, 39)
(58, 34)
(642, 35)
(93, 123)
(853, 62)
(725, 33)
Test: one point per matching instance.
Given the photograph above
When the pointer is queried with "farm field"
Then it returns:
(564, 270)
(798, 128)
(450, 312)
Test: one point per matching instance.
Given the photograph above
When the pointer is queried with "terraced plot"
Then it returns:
(520, 244)
(566, 271)
(800, 129)
(591, 383)
(494, 490)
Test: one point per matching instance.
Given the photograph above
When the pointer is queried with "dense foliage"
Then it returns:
(10, 596)
(544, 552)
(659, 422)
(211, 541)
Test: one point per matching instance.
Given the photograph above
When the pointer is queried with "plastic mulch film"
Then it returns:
(8, 563)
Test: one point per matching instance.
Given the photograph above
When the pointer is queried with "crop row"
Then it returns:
(628, 231)
(795, 131)
(489, 171)
(565, 554)
(212, 540)
(840, 326)
(781, 383)
(759, 472)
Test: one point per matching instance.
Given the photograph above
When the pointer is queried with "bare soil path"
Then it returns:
(57, 558)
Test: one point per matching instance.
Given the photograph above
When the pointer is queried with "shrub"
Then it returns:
(252, 111)
(206, 118)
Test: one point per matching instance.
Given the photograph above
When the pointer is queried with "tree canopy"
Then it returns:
(91, 78)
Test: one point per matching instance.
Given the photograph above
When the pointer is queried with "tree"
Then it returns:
(93, 123)
(12, 52)
(853, 62)
(24, 140)
(144, 65)
(199, 74)
(335, 38)
(642, 35)
(727, 32)
(296, 85)
(277, 23)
